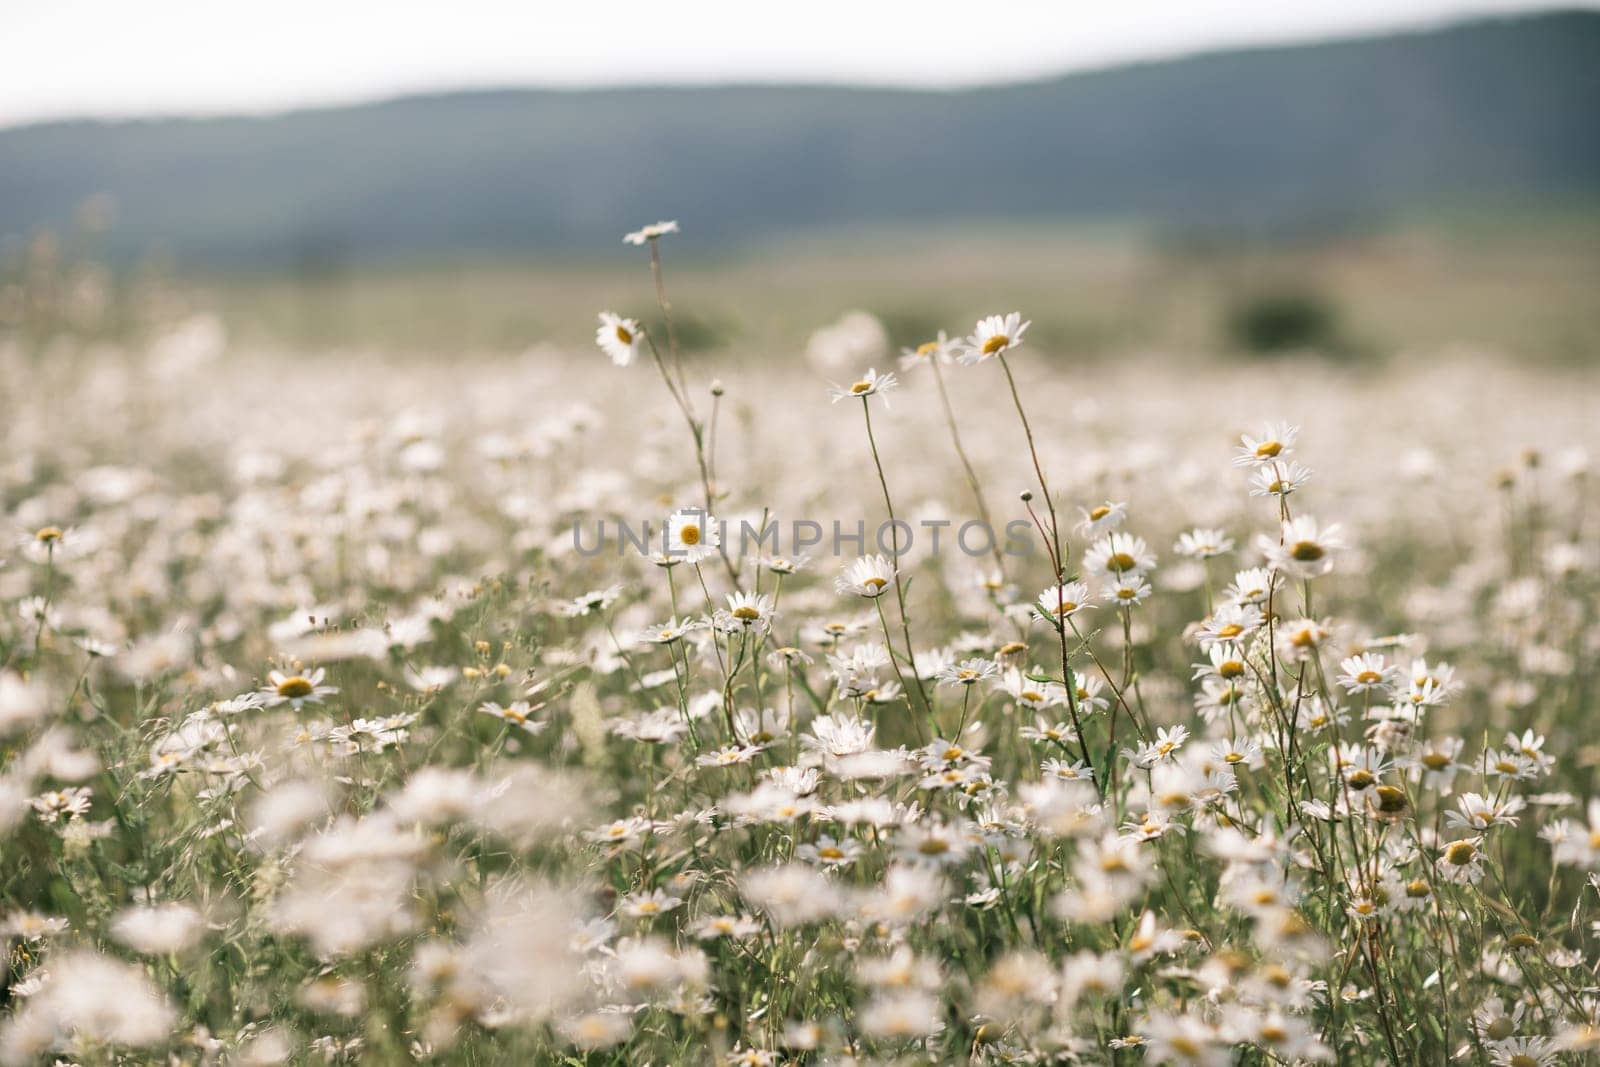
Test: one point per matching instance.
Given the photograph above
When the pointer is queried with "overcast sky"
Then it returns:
(63, 58)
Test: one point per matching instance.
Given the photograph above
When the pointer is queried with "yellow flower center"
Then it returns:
(1231, 629)
(1500, 1029)
(624, 335)
(746, 613)
(934, 846)
(49, 535)
(859, 388)
(1099, 513)
(689, 535)
(927, 348)
(830, 852)
(1416, 889)
(1032, 696)
(1307, 551)
(876, 582)
(1461, 853)
(294, 688)
(995, 344)
(1120, 561)
(1361, 779)
(1435, 761)
(1269, 449)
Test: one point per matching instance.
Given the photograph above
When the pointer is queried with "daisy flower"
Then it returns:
(692, 535)
(1278, 479)
(750, 610)
(1306, 549)
(939, 350)
(1102, 517)
(1252, 585)
(994, 336)
(1127, 591)
(296, 690)
(519, 714)
(737, 927)
(1275, 442)
(649, 905)
(870, 384)
(1118, 555)
(1478, 812)
(619, 338)
(671, 631)
(1462, 861)
(1230, 622)
(1203, 543)
(1063, 602)
(1031, 694)
(653, 232)
(968, 672)
(829, 852)
(1523, 1052)
(783, 564)
(1366, 672)
(869, 576)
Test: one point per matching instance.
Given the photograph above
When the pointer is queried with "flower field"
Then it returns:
(1163, 712)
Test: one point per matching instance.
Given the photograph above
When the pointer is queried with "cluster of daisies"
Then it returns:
(324, 738)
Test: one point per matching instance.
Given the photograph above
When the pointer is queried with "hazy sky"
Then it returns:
(121, 57)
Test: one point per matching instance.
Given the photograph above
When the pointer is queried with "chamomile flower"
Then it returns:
(653, 232)
(994, 336)
(296, 690)
(1279, 479)
(649, 905)
(1030, 694)
(1476, 812)
(1273, 443)
(830, 852)
(1250, 586)
(619, 338)
(1306, 549)
(670, 632)
(1119, 555)
(869, 576)
(1366, 673)
(1063, 602)
(1203, 543)
(1461, 861)
(518, 713)
(1126, 591)
(968, 672)
(1233, 623)
(1101, 518)
(870, 384)
(940, 350)
(692, 535)
(750, 611)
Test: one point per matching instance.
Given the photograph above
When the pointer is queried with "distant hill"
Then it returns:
(1303, 135)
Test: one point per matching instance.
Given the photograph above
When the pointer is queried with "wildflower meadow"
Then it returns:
(976, 704)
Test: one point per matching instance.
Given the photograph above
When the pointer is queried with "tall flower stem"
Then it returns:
(1059, 559)
(894, 550)
(966, 465)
